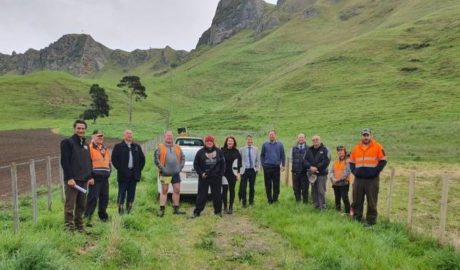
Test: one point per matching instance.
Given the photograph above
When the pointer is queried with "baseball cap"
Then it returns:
(365, 131)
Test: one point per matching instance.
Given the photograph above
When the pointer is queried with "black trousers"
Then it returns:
(369, 189)
(272, 183)
(230, 188)
(249, 175)
(127, 187)
(98, 192)
(300, 186)
(216, 191)
(341, 194)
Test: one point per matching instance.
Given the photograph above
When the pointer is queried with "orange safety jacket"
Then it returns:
(100, 158)
(367, 161)
(339, 168)
(164, 151)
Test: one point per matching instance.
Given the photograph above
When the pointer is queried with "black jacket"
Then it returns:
(318, 158)
(75, 159)
(213, 166)
(230, 155)
(120, 159)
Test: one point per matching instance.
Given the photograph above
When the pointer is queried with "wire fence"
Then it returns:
(28, 176)
(396, 196)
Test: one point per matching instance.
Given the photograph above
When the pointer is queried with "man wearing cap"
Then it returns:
(300, 183)
(169, 160)
(209, 164)
(272, 157)
(99, 192)
(367, 160)
(317, 162)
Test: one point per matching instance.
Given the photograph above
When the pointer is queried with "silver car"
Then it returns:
(188, 176)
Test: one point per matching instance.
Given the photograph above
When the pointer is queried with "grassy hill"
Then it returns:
(388, 65)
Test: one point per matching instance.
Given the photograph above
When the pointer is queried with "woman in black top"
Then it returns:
(231, 154)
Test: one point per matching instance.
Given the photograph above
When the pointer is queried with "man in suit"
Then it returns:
(129, 160)
(250, 167)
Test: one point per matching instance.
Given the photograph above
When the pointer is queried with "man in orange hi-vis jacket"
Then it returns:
(367, 160)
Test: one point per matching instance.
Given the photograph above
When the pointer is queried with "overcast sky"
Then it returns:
(118, 24)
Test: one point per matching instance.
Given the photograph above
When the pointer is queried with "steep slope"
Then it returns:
(388, 65)
(331, 67)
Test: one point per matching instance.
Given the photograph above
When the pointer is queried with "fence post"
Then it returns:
(14, 189)
(61, 181)
(286, 171)
(443, 216)
(390, 192)
(411, 199)
(33, 186)
(48, 181)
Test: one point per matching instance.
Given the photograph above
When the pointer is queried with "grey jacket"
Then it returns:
(245, 158)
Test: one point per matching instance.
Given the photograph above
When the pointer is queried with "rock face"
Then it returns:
(80, 55)
(231, 17)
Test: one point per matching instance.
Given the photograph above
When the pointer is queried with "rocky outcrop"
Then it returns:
(81, 55)
(231, 17)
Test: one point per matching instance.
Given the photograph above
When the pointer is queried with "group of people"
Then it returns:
(88, 165)
(87, 168)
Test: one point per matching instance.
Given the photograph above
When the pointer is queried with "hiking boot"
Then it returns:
(161, 213)
(195, 215)
(121, 210)
(177, 212)
(88, 223)
(230, 211)
(129, 208)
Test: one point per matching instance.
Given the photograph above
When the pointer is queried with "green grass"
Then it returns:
(283, 236)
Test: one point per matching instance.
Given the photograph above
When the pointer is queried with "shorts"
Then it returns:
(166, 180)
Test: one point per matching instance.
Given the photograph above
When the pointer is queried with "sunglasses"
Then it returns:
(100, 136)
(365, 135)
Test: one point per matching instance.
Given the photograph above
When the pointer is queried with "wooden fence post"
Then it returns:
(33, 186)
(411, 199)
(286, 171)
(390, 192)
(48, 181)
(61, 181)
(14, 189)
(443, 214)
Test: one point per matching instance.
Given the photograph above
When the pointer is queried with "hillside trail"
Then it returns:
(230, 242)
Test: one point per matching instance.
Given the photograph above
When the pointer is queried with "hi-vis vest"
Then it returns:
(100, 159)
(367, 155)
(339, 168)
(164, 151)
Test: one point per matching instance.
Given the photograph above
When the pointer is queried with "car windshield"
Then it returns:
(189, 142)
(190, 154)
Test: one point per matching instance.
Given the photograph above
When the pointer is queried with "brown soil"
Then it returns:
(21, 146)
